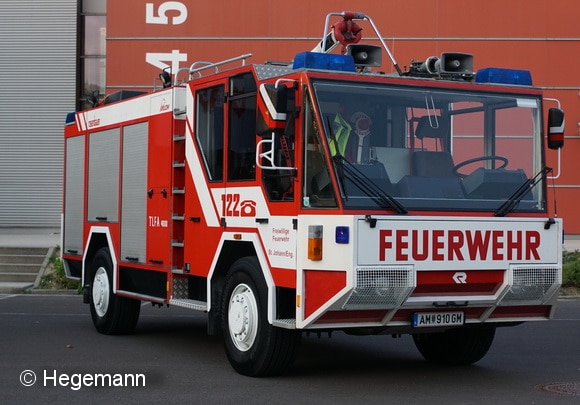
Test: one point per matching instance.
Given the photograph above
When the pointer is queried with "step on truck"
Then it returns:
(319, 195)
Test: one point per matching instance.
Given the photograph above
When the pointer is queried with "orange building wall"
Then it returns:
(539, 35)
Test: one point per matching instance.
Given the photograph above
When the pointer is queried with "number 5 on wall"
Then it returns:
(161, 18)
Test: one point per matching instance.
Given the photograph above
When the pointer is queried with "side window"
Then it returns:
(242, 128)
(210, 129)
(279, 183)
(317, 189)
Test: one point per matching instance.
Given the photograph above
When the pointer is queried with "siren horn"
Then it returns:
(454, 63)
(365, 55)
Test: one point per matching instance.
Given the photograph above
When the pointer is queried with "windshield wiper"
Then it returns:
(366, 185)
(517, 196)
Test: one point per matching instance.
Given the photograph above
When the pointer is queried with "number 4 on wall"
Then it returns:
(158, 59)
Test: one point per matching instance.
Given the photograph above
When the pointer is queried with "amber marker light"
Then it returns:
(315, 242)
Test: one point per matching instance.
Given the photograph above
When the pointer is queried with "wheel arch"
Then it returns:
(99, 237)
(229, 251)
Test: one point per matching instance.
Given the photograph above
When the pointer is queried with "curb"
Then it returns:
(39, 291)
(568, 297)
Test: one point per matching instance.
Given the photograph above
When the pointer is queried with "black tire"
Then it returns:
(455, 346)
(112, 315)
(253, 346)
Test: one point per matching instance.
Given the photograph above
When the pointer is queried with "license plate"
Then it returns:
(431, 319)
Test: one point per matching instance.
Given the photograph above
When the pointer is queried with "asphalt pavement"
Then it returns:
(51, 353)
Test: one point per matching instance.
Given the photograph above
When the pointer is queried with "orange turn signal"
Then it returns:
(315, 242)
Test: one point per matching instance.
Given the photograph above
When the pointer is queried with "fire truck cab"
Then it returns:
(318, 196)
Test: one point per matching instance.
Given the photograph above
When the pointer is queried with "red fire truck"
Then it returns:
(319, 195)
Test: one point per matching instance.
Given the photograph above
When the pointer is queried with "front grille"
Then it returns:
(381, 287)
(533, 284)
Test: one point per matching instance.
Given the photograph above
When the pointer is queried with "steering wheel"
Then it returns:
(479, 159)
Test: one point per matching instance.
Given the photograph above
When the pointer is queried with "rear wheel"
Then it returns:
(112, 315)
(253, 346)
(456, 346)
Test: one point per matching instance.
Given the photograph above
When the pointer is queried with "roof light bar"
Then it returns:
(504, 76)
(324, 61)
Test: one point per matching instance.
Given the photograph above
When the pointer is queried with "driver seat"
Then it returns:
(429, 163)
(433, 163)
(433, 175)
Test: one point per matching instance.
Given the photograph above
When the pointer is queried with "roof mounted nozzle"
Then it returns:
(347, 32)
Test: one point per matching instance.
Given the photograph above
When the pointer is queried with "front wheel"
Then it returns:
(455, 346)
(253, 346)
(112, 315)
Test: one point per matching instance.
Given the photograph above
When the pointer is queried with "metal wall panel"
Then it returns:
(38, 41)
(103, 187)
(134, 192)
(74, 199)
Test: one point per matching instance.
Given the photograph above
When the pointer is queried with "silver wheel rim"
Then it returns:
(101, 291)
(243, 317)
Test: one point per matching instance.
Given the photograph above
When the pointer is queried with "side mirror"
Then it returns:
(275, 116)
(556, 124)
(272, 109)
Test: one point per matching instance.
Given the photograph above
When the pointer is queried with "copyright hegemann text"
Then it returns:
(77, 381)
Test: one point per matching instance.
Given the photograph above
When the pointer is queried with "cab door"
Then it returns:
(205, 173)
(242, 198)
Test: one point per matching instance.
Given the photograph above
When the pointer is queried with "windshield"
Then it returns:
(431, 149)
